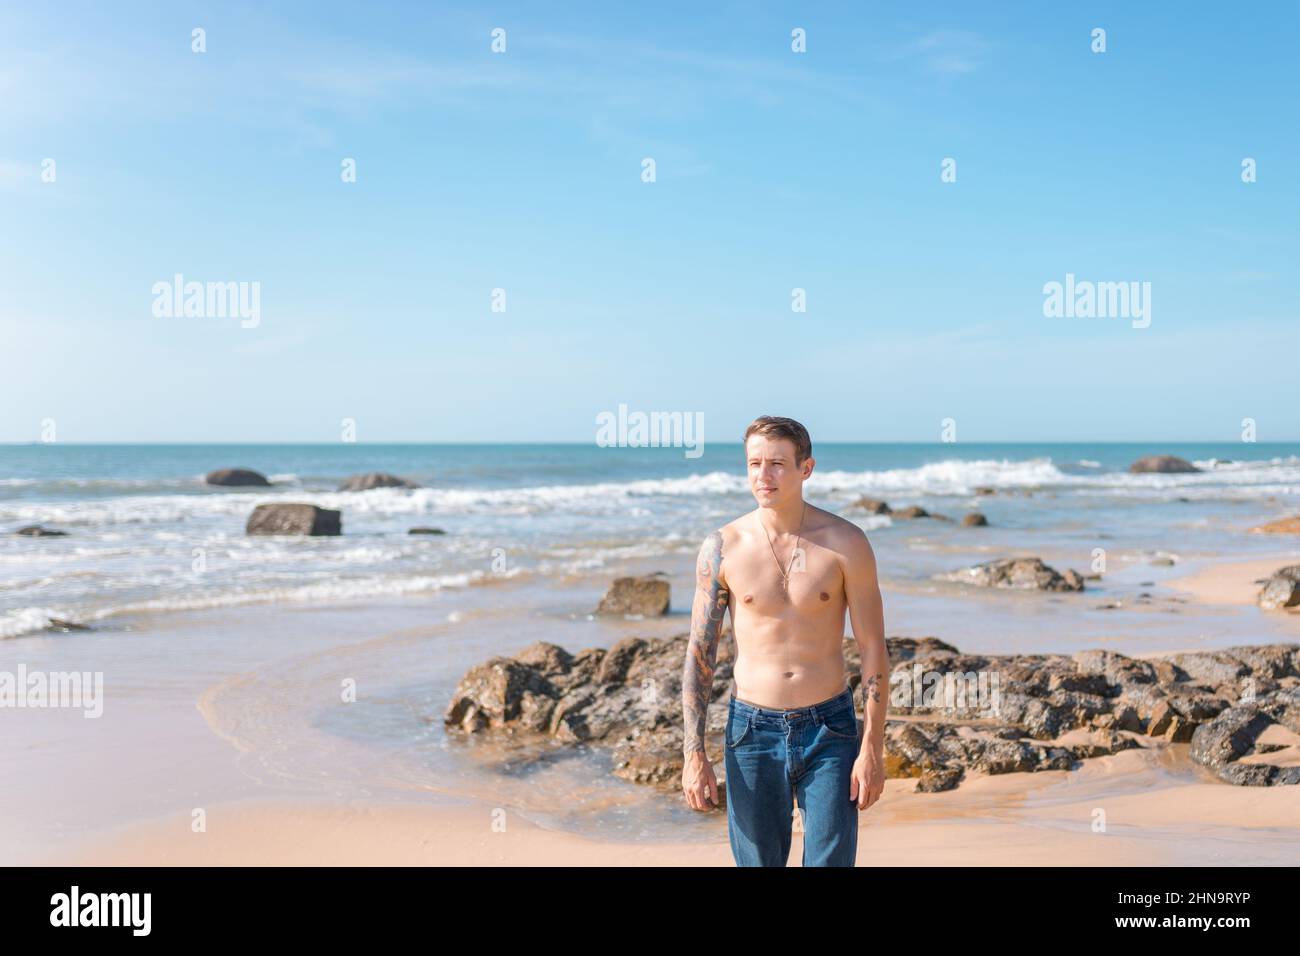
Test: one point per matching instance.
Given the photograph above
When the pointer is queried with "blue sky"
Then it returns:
(522, 171)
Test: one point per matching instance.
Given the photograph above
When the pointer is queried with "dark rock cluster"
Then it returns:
(1023, 712)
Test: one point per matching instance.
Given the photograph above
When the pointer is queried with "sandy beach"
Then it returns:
(1042, 819)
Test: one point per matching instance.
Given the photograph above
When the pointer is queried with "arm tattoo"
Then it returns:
(702, 650)
(871, 691)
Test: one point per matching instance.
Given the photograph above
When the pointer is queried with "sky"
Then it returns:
(523, 170)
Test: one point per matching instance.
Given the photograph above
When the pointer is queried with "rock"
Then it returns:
(375, 479)
(985, 490)
(287, 518)
(1050, 710)
(1023, 574)
(1161, 562)
(974, 520)
(872, 506)
(1162, 717)
(237, 478)
(1227, 744)
(37, 531)
(426, 531)
(1281, 526)
(914, 511)
(1282, 590)
(647, 596)
(1164, 464)
(61, 626)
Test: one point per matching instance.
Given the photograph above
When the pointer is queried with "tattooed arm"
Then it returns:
(867, 614)
(707, 611)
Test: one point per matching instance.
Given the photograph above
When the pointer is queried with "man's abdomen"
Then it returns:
(781, 671)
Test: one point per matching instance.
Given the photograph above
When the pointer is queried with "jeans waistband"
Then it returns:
(831, 705)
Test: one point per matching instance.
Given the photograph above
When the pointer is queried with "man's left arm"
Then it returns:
(867, 615)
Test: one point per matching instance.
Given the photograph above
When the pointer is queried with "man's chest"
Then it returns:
(757, 585)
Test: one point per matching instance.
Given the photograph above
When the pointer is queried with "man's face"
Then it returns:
(774, 478)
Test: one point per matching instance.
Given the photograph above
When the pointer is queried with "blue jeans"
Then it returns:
(774, 756)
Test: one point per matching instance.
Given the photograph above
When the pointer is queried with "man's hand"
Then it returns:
(868, 780)
(698, 782)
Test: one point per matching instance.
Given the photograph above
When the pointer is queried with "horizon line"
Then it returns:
(824, 441)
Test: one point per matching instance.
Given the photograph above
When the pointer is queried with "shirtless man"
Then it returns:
(788, 572)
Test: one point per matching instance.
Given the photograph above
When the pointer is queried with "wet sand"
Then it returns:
(1231, 582)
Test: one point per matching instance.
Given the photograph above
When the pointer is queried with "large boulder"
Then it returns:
(647, 596)
(1282, 590)
(872, 506)
(237, 478)
(974, 519)
(375, 479)
(294, 518)
(1281, 526)
(1021, 574)
(1164, 464)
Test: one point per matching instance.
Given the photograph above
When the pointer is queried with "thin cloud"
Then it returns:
(946, 52)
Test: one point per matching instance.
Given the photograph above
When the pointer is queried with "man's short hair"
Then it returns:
(774, 426)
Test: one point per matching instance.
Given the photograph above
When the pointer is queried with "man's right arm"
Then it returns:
(707, 612)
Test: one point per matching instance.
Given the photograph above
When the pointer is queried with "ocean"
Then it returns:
(145, 534)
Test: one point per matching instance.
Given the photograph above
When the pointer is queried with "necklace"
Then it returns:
(785, 575)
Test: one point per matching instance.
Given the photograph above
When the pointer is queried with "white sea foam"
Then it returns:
(1238, 479)
(25, 620)
(28, 620)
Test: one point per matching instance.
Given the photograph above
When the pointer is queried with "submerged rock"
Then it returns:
(59, 625)
(37, 531)
(647, 596)
(375, 479)
(1281, 526)
(293, 518)
(1022, 574)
